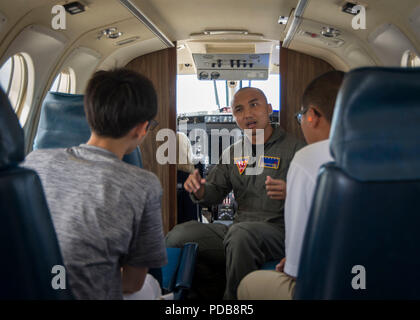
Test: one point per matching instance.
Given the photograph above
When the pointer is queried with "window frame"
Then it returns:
(64, 82)
(410, 59)
(20, 82)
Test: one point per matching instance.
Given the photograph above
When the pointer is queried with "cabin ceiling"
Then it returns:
(179, 19)
(320, 13)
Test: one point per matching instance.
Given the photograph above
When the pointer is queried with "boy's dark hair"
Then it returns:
(118, 100)
(322, 93)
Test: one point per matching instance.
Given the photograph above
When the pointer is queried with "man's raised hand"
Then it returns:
(195, 184)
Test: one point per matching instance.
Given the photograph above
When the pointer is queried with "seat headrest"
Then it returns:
(376, 125)
(12, 138)
(62, 122)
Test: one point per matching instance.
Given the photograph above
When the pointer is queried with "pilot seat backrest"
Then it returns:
(362, 239)
(63, 124)
(29, 248)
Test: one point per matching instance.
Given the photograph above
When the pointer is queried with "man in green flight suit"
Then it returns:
(257, 233)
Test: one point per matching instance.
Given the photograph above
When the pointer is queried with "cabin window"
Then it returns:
(16, 79)
(410, 59)
(195, 95)
(65, 82)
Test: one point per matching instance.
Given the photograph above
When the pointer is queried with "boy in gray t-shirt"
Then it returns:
(107, 213)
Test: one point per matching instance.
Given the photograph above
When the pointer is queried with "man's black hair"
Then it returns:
(118, 100)
(322, 92)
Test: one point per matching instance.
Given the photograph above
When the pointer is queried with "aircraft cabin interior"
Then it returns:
(198, 54)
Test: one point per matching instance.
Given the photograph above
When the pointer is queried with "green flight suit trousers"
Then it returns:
(227, 254)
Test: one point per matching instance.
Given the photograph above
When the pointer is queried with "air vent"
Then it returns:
(223, 32)
(110, 33)
(330, 32)
(127, 41)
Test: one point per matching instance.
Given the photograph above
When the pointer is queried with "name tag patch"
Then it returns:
(241, 163)
(269, 162)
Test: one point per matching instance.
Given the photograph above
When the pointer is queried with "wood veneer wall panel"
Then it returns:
(297, 70)
(160, 68)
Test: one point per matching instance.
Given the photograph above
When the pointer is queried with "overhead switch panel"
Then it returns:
(232, 66)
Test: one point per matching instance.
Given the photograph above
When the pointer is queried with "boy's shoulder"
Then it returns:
(137, 173)
(40, 155)
(136, 178)
(82, 162)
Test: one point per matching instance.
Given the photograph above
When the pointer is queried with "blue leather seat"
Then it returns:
(28, 244)
(180, 281)
(366, 208)
(177, 275)
(63, 124)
